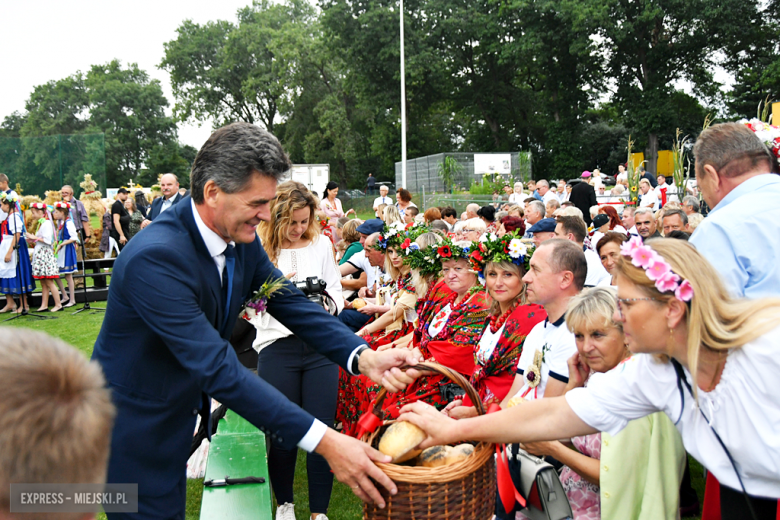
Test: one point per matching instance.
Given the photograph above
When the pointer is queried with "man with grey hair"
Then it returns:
(471, 211)
(740, 234)
(165, 350)
(534, 212)
(551, 206)
(544, 190)
(646, 227)
(690, 205)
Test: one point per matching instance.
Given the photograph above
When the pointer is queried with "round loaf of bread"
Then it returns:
(435, 456)
(400, 439)
(358, 303)
(459, 453)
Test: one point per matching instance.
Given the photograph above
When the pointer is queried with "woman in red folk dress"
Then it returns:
(502, 262)
(409, 285)
(447, 334)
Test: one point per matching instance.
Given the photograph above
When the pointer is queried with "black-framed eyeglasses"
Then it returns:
(624, 300)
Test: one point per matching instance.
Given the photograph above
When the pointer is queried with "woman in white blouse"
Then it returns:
(714, 373)
(293, 243)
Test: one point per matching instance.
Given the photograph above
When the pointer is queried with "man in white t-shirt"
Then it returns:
(649, 197)
(382, 199)
(573, 228)
(557, 273)
(544, 190)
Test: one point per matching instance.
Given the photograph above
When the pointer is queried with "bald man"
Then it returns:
(169, 185)
(471, 211)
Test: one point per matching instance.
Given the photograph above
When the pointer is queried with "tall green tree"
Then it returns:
(129, 108)
(235, 72)
(653, 44)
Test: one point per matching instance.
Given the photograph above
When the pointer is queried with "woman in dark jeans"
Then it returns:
(293, 243)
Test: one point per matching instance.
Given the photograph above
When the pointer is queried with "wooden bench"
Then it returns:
(237, 450)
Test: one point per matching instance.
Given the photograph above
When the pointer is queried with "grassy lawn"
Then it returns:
(82, 329)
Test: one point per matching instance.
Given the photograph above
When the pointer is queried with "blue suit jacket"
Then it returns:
(163, 347)
(154, 212)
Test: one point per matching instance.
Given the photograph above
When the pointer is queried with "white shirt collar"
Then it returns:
(214, 243)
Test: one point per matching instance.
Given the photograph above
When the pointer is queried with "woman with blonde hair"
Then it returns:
(391, 215)
(350, 237)
(293, 242)
(511, 319)
(713, 375)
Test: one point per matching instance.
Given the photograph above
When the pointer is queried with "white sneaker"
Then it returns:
(320, 517)
(285, 511)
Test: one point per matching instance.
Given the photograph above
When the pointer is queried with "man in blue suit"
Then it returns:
(169, 186)
(164, 341)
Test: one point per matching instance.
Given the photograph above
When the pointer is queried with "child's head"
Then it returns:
(61, 210)
(38, 210)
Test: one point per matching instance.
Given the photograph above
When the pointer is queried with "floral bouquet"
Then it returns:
(769, 134)
(258, 303)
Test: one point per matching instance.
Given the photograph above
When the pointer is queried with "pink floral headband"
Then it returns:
(657, 269)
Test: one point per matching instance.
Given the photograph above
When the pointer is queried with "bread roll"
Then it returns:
(358, 303)
(459, 453)
(400, 439)
(435, 456)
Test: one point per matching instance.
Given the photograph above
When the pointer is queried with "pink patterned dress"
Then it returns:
(583, 496)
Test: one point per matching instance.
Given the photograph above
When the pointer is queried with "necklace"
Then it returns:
(453, 297)
(496, 322)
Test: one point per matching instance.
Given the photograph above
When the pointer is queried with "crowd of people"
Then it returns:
(612, 339)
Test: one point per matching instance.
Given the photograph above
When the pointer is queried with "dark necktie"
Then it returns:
(227, 282)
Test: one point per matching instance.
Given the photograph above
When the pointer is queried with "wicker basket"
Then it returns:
(464, 490)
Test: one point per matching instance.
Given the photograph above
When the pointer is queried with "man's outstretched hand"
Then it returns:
(383, 367)
(352, 462)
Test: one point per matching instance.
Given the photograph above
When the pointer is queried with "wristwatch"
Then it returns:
(356, 359)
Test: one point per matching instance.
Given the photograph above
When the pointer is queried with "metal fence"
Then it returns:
(39, 164)
(422, 174)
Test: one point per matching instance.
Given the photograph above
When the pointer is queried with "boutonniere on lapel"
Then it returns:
(258, 303)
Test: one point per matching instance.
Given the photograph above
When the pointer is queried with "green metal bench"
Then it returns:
(237, 450)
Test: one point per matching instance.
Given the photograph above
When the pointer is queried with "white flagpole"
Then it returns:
(403, 103)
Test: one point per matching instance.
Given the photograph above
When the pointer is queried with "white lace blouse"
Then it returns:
(316, 259)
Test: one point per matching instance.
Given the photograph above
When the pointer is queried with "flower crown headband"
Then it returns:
(491, 248)
(657, 269)
(61, 205)
(428, 261)
(400, 236)
(10, 199)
